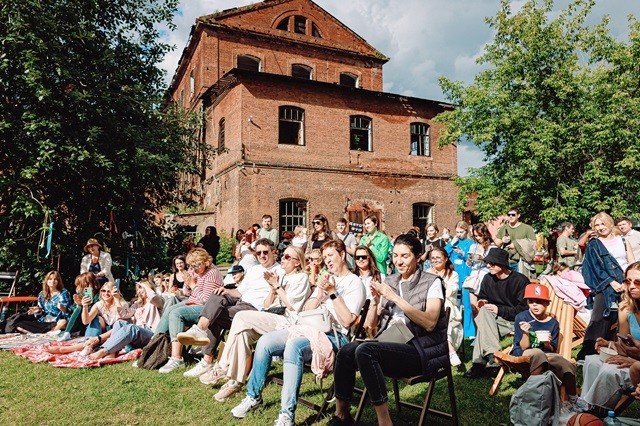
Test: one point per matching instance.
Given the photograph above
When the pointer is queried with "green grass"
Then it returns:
(33, 394)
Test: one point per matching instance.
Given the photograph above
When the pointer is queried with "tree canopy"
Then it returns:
(84, 141)
(556, 112)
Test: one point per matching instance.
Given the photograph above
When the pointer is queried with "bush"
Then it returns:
(225, 255)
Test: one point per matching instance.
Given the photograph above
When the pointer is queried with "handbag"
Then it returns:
(319, 318)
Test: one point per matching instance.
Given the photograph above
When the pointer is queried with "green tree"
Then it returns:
(84, 139)
(555, 112)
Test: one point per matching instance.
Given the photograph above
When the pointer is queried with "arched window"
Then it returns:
(284, 24)
(291, 125)
(348, 79)
(420, 139)
(300, 25)
(315, 31)
(293, 212)
(422, 216)
(249, 63)
(301, 71)
(360, 127)
(221, 134)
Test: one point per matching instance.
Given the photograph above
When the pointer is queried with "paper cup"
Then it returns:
(543, 335)
(605, 353)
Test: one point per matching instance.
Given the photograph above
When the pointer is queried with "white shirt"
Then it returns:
(633, 237)
(435, 292)
(367, 283)
(296, 288)
(351, 289)
(254, 288)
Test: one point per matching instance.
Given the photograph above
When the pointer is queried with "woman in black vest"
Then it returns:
(413, 297)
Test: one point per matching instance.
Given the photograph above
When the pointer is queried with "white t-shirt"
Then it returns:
(435, 292)
(367, 283)
(296, 287)
(633, 237)
(351, 289)
(616, 247)
(254, 288)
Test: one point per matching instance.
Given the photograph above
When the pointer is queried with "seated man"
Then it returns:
(500, 299)
(224, 303)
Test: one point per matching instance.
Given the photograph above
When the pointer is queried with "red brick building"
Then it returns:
(292, 103)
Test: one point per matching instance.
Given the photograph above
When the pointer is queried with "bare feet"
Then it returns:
(97, 355)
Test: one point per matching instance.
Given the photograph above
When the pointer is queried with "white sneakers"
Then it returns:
(172, 364)
(64, 336)
(199, 369)
(214, 376)
(247, 404)
(228, 390)
(195, 336)
(283, 420)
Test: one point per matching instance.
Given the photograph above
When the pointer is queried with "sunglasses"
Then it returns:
(166, 280)
(317, 222)
(629, 282)
(289, 257)
(262, 252)
(312, 259)
(104, 291)
(512, 214)
(364, 257)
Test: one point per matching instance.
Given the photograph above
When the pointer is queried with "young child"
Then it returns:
(536, 335)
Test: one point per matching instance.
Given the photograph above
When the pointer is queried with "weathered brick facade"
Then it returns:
(253, 173)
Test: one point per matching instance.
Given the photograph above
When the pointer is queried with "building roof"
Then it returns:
(237, 76)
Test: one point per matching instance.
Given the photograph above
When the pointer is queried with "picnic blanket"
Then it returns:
(35, 349)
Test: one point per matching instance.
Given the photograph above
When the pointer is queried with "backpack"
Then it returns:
(156, 353)
(537, 401)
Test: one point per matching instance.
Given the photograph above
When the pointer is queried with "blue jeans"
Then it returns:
(94, 328)
(176, 316)
(294, 352)
(124, 334)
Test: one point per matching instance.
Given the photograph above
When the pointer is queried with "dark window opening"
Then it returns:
(420, 139)
(315, 31)
(293, 212)
(248, 63)
(291, 125)
(360, 127)
(300, 24)
(221, 135)
(347, 79)
(301, 71)
(284, 24)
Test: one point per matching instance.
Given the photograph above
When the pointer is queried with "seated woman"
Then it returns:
(605, 382)
(85, 283)
(282, 304)
(366, 268)
(137, 334)
(54, 305)
(342, 294)
(414, 298)
(108, 309)
(315, 266)
(442, 267)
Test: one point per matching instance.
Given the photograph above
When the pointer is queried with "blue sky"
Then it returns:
(425, 39)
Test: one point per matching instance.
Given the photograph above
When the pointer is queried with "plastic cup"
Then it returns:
(543, 335)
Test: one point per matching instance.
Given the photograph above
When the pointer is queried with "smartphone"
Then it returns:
(88, 292)
(230, 286)
(626, 340)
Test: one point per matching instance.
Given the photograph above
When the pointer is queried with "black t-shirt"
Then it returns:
(506, 294)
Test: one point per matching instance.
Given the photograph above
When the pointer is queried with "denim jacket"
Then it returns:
(599, 268)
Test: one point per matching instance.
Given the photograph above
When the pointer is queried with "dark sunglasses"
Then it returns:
(317, 222)
(362, 257)
(512, 214)
(262, 252)
(289, 257)
(629, 282)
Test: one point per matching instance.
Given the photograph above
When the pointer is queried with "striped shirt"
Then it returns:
(205, 284)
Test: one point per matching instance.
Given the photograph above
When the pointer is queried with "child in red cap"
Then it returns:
(536, 336)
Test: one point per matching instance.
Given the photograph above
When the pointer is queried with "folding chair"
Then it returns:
(425, 408)
(10, 296)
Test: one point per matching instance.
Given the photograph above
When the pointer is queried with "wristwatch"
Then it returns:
(333, 296)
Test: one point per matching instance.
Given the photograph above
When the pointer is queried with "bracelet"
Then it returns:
(99, 339)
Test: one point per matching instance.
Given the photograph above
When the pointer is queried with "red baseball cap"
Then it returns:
(536, 291)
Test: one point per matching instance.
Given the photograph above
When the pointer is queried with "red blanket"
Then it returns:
(39, 353)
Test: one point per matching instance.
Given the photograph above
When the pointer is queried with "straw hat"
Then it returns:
(91, 242)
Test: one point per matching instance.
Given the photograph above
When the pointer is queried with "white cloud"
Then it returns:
(424, 39)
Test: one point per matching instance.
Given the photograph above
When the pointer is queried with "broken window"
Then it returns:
(420, 139)
(301, 71)
(284, 24)
(291, 125)
(348, 79)
(300, 24)
(360, 133)
(249, 63)
(192, 83)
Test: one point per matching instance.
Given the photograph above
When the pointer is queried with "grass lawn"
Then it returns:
(40, 394)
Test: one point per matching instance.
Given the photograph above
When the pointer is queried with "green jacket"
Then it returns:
(380, 246)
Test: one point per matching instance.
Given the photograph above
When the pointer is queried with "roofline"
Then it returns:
(236, 76)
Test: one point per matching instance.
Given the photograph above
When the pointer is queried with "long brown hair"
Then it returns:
(325, 228)
(45, 288)
(373, 268)
(87, 280)
(628, 303)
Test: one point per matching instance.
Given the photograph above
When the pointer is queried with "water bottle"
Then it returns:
(3, 313)
(611, 418)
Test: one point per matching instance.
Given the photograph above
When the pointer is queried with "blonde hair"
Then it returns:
(297, 231)
(199, 255)
(118, 300)
(541, 242)
(300, 254)
(628, 303)
(462, 225)
(607, 221)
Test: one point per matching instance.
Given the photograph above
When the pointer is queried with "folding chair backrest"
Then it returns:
(565, 314)
(361, 318)
(9, 276)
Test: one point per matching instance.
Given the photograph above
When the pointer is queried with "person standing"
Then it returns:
(519, 239)
(458, 252)
(267, 231)
(567, 246)
(377, 241)
(210, 242)
(97, 262)
(349, 240)
(629, 234)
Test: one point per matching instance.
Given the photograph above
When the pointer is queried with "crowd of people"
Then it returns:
(299, 295)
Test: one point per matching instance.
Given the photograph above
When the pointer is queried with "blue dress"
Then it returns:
(459, 260)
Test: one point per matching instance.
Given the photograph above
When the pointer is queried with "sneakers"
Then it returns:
(477, 370)
(135, 364)
(64, 336)
(193, 337)
(199, 369)
(454, 359)
(283, 420)
(228, 390)
(172, 364)
(240, 411)
(214, 376)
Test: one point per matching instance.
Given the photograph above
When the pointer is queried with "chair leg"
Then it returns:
(396, 395)
(329, 397)
(497, 381)
(363, 399)
(452, 399)
(427, 403)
